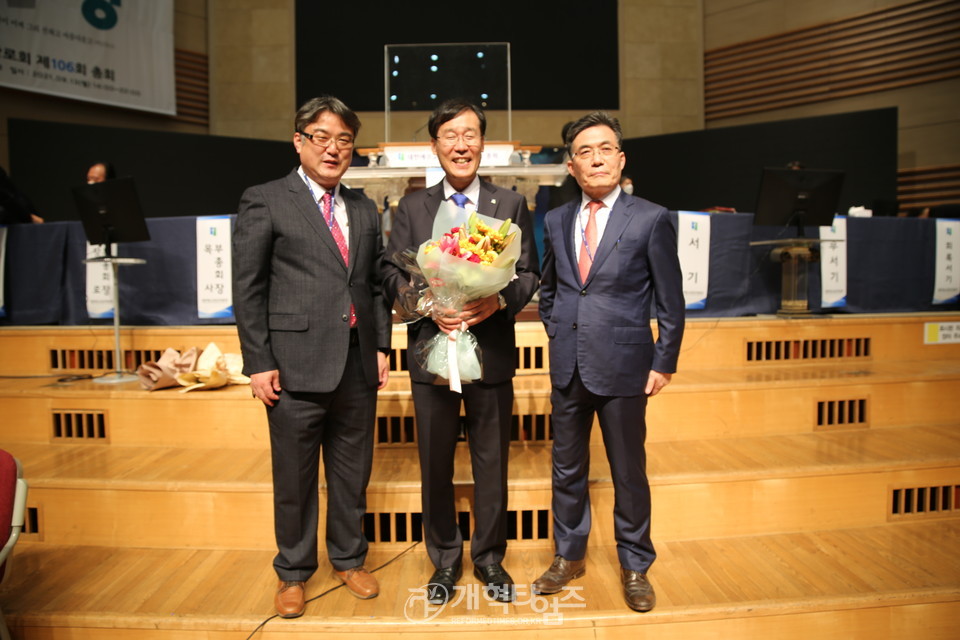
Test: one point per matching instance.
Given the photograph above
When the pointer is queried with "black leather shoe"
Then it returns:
(558, 575)
(499, 584)
(637, 590)
(440, 587)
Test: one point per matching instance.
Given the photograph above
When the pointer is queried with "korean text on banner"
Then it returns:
(947, 283)
(833, 264)
(99, 282)
(214, 290)
(693, 245)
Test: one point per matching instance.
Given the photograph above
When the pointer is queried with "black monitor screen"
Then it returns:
(801, 197)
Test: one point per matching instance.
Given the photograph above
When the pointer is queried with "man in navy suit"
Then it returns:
(457, 128)
(608, 257)
(314, 331)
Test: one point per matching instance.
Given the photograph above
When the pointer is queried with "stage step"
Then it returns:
(876, 583)
(708, 343)
(221, 498)
(700, 404)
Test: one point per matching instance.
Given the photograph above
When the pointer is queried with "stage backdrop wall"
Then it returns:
(695, 170)
(177, 174)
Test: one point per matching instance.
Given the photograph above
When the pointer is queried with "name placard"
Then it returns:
(214, 274)
(833, 264)
(693, 247)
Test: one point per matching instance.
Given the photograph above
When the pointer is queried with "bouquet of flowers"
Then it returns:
(470, 256)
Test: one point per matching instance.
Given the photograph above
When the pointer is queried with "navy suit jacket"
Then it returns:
(602, 326)
(292, 291)
(413, 225)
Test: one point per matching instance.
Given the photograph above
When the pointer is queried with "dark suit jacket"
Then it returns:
(292, 291)
(602, 326)
(413, 225)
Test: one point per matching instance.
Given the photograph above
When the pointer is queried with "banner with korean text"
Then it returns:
(100, 282)
(214, 275)
(833, 264)
(947, 284)
(102, 51)
(693, 246)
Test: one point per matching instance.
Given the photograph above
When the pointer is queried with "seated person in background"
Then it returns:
(15, 207)
(100, 172)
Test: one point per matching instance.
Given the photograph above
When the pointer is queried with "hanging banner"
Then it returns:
(3, 261)
(214, 291)
(947, 284)
(833, 264)
(693, 245)
(102, 51)
(99, 282)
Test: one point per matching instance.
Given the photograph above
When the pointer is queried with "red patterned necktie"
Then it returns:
(327, 207)
(588, 247)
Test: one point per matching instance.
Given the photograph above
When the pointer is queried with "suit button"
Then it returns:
(583, 292)
(344, 317)
(574, 325)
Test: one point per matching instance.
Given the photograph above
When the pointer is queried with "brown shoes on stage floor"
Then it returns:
(359, 582)
(637, 590)
(558, 575)
(289, 600)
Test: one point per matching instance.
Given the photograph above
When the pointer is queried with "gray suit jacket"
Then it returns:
(292, 291)
(602, 326)
(413, 225)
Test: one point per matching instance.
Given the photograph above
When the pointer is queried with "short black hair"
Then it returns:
(450, 109)
(312, 109)
(594, 119)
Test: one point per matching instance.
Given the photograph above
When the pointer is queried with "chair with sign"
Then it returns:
(13, 500)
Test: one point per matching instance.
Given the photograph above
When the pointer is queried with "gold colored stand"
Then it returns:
(793, 254)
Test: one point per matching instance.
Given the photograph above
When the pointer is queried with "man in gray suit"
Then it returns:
(608, 257)
(314, 331)
(457, 129)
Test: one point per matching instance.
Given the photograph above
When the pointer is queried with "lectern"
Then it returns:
(110, 212)
(796, 198)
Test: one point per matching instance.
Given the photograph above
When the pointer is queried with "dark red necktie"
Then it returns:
(327, 208)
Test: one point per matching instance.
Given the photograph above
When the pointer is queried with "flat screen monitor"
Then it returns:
(800, 197)
(110, 212)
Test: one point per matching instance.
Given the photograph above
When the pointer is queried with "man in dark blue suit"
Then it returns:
(608, 257)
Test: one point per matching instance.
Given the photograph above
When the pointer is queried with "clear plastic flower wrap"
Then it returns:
(469, 256)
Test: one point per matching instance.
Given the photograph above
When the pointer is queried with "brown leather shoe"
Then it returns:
(289, 600)
(359, 582)
(558, 575)
(637, 590)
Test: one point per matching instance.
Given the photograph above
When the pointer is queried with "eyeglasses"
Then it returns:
(322, 141)
(449, 139)
(586, 154)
